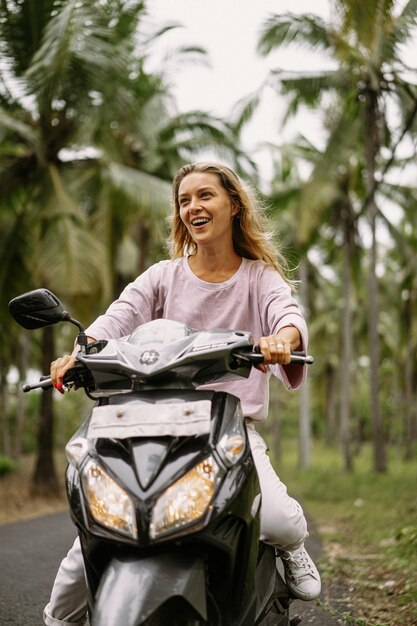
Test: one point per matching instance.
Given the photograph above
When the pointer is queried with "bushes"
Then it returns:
(7, 465)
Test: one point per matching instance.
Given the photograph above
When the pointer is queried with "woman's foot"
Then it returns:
(301, 575)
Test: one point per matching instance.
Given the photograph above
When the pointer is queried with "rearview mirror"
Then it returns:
(36, 309)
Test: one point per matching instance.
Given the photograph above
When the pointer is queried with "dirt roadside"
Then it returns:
(16, 501)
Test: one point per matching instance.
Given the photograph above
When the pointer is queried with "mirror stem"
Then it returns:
(82, 337)
(82, 341)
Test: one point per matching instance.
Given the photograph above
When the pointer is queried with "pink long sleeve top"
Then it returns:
(255, 299)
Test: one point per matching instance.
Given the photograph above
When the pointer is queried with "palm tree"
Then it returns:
(365, 40)
(325, 223)
(399, 324)
(50, 70)
(88, 138)
(57, 61)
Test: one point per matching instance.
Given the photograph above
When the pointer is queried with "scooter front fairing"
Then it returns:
(132, 589)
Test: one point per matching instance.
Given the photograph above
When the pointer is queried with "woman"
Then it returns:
(223, 272)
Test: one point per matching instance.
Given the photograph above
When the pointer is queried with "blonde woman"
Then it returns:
(224, 272)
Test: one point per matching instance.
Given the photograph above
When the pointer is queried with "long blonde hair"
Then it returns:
(251, 239)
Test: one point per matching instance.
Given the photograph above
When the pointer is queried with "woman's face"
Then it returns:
(206, 209)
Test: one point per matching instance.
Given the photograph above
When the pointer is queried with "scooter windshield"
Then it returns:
(159, 331)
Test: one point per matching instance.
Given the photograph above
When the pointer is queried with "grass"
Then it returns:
(368, 523)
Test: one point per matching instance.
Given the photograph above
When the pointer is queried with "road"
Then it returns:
(31, 551)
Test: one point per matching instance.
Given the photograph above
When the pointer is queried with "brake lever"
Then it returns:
(253, 358)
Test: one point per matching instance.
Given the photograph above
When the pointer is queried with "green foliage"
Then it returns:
(406, 542)
(370, 516)
(7, 465)
(366, 102)
(71, 410)
(88, 141)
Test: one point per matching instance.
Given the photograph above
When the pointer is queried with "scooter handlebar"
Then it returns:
(297, 358)
(255, 358)
(45, 382)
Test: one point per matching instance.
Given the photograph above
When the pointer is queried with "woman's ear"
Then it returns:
(235, 210)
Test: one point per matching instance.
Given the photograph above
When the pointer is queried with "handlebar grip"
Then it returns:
(297, 357)
(45, 382)
(301, 358)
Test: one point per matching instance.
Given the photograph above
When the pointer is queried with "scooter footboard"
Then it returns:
(132, 589)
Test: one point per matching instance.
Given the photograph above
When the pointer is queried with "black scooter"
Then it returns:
(161, 482)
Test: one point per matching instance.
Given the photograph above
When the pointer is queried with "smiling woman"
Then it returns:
(224, 273)
(217, 185)
(207, 213)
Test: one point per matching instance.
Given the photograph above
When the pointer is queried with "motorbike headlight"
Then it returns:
(186, 501)
(231, 448)
(109, 504)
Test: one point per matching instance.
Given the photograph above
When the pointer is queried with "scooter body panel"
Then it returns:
(132, 589)
(218, 558)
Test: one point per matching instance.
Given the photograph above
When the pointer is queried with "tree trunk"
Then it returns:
(4, 410)
(371, 149)
(345, 434)
(23, 361)
(409, 400)
(331, 404)
(44, 480)
(304, 450)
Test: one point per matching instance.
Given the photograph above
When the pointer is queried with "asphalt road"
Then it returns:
(30, 553)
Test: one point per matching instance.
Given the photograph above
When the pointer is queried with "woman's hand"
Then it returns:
(58, 369)
(276, 349)
(62, 365)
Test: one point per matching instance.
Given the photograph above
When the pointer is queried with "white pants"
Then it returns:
(282, 525)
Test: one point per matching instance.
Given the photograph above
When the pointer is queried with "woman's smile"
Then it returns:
(200, 222)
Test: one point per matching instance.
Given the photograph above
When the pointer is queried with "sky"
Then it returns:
(229, 30)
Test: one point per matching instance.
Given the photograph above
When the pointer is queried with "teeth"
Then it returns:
(198, 222)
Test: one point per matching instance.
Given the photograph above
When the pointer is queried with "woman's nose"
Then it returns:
(194, 204)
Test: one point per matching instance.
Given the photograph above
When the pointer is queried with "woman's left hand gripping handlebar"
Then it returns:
(58, 369)
(277, 349)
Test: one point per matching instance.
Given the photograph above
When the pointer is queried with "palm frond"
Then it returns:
(406, 250)
(281, 30)
(11, 124)
(78, 50)
(15, 245)
(151, 194)
(21, 29)
(360, 20)
(69, 258)
(166, 28)
(186, 54)
(405, 23)
(324, 186)
(245, 109)
(308, 88)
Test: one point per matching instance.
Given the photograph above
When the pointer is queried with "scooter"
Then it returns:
(161, 482)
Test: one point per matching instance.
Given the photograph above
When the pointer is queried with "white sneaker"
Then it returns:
(301, 575)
